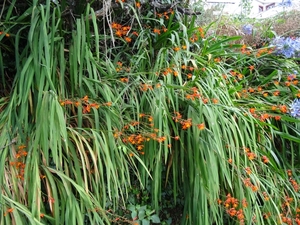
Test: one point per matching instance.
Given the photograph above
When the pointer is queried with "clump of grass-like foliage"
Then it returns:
(103, 105)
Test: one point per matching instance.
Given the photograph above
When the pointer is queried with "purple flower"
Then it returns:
(247, 29)
(288, 47)
(295, 108)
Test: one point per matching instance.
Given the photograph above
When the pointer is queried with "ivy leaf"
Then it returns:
(145, 222)
(155, 219)
(141, 214)
(134, 215)
(131, 208)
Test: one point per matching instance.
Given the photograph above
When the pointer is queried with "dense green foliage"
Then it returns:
(128, 114)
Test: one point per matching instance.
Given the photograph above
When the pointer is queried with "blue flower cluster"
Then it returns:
(288, 47)
(295, 108)
(247, 29)
(286, 3)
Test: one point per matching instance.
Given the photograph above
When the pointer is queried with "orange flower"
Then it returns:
(189, 76)
(233, 73)
(21, 147)
(87, 109)
(265, 159)
(240, 215)
(277, 117)
(10, 210)
(107, 104)
(254, 188)
(201, 31)
(42, 215)
(251, 155)
(138, 4)
(259, 89)
(264, 116)
(119, 33)
(246, 149)
(176, 49)
(251, 90)
(191, 68)
(251, 67)
(161, 139)
(266, 197)
(215, 101)
(186, 124)
(177, 117)
(156, 31)
(135, 33)
(127, 39)
(140, 147)
(145, 87)
(244, 203)
(295, 184)
(51, 200)
(217, 60)
(94, 105)
(247, 182)
(66, 102)
(115, 26)
(248, 170)
(240, 76)
(265, 94)
(231, 212)
(176, 138)
(291, 77)
(201, 126)
(124, 79)
(283, 108)
(205, 100)
(85, 98)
